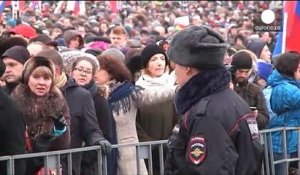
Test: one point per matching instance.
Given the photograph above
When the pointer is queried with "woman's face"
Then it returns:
(83, 72)
(101, 77)
(74, 43)
(266, 54)
(39, 82)
(156, 65)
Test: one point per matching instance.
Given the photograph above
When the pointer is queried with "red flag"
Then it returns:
(113, 6)
(76, 8)
(7, 3)
(292, 9)
(22, 6)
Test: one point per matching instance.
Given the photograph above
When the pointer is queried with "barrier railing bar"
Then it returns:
(161, 159)
(144, 151)
(150, 164)
(69, 163)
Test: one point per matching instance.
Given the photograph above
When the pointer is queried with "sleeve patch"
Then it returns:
(196, 149)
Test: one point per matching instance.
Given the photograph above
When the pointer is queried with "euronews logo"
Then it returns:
(267, 22)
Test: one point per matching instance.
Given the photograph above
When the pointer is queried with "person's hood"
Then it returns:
(70, 34)
(276, 79)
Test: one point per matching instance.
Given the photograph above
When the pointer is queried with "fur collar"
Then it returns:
(38, 109)
(201, 85)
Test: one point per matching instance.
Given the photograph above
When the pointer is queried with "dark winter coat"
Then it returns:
(12, 132)
(40, 125)
(9, 87)
(253, 95)
(84, 124)
(37, 111)
(217, 133)
(108, 126)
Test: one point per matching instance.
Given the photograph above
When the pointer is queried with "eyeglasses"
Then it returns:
(81, 70)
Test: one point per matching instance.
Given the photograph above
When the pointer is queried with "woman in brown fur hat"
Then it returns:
(46, 112)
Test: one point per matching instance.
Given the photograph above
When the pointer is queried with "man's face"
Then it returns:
(265, 37)
(13, 71)
(81, 30)
(181, 76)
(242, 74)
(119, 40)
(67, 23)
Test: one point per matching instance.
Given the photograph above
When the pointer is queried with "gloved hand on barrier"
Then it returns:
(105, 146)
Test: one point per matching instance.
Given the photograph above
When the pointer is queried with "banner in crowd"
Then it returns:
(289, 38)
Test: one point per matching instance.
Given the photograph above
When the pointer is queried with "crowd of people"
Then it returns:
(109, 77)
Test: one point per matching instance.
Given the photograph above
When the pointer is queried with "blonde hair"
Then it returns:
(44, 72)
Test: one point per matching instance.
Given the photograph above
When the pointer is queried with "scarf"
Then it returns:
(61, 80)
(201, 85)
(163, 80)
(121, 94)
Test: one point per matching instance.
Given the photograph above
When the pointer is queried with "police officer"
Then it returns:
(217, 134)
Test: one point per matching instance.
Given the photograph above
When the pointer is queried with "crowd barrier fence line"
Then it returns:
(52, 160)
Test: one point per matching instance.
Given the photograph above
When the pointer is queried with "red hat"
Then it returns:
(24, 30)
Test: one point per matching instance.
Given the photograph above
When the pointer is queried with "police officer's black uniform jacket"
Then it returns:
(217, 135)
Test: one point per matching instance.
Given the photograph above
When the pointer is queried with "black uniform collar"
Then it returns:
(201, 85)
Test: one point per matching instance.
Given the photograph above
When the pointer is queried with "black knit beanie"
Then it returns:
(151, 50)
(18, 53)
(198, 46)
(242, 60)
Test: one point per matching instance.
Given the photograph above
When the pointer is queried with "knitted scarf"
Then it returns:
(201, 85)
(121, 95)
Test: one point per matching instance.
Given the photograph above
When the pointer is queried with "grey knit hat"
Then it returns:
(114, 52)
(198, 46)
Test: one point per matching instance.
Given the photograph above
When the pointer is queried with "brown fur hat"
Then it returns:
(34, 63)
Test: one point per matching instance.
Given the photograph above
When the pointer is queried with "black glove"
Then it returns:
(59, 122)
(105, 146)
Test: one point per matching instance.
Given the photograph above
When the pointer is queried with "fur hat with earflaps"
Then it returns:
(198, 46)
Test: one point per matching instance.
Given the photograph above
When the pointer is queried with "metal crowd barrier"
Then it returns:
(52, 160)
(269, 163)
